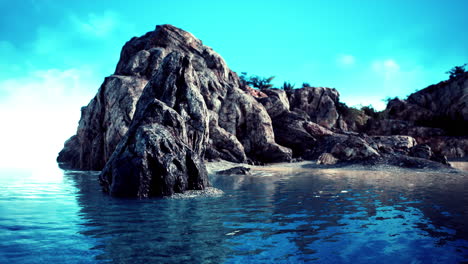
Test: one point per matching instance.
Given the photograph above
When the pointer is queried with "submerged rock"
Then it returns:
(235, 171)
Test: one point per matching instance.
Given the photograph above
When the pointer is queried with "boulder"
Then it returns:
(290, 131)
(421, 151)
(327, 159)
(354, 149)
(401, 144)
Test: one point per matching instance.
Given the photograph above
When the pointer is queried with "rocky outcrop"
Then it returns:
(192, 105)
(436, 114)
(443, 105)
(319, 103)
(162, 153)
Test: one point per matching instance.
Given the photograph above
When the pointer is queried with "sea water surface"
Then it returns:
(280, 214)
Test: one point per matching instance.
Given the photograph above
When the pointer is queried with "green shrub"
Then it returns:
(256, 81)
(457, 71)
(287, 86)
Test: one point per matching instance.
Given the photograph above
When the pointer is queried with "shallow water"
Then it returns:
(279, 215)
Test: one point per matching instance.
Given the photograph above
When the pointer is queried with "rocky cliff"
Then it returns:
(173, 103)
(436, 115)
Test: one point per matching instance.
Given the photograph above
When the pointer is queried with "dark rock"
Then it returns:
(290, 131)
(162, 153)
(235, 171)
(421, 151)
(354, 149)
(400, 144)
(443, 105)
(412, 162)
(452, 147)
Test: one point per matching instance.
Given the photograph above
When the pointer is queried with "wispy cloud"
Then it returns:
(388, 68)
(346, 60)
(96, 25)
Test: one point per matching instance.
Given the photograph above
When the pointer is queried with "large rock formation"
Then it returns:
(186, 83)
(173, 103)
(240, 128)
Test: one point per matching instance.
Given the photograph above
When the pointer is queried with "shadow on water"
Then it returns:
(287, 216)
(152, 230)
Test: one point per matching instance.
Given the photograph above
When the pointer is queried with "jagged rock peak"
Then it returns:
(141, 55)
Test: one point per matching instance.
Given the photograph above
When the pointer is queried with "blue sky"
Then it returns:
(55, 54)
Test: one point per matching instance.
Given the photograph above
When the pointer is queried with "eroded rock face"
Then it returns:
(162, 152)
(319, 103)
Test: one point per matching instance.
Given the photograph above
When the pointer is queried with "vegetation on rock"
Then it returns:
(457, 71)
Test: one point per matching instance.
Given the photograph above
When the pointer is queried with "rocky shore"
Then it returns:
(173, 104)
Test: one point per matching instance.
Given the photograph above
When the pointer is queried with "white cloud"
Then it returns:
(45, 82)
(40, 113)
(389, 68)
(346, 60)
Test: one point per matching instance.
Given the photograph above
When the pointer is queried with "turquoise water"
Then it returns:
(286, 216)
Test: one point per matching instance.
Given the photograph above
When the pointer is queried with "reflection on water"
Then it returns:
(277, 215)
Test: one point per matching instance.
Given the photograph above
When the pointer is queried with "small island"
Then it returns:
(173, 104)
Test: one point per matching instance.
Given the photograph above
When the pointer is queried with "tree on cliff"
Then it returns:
(257, 81)
(457, 71)
(287, 86)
